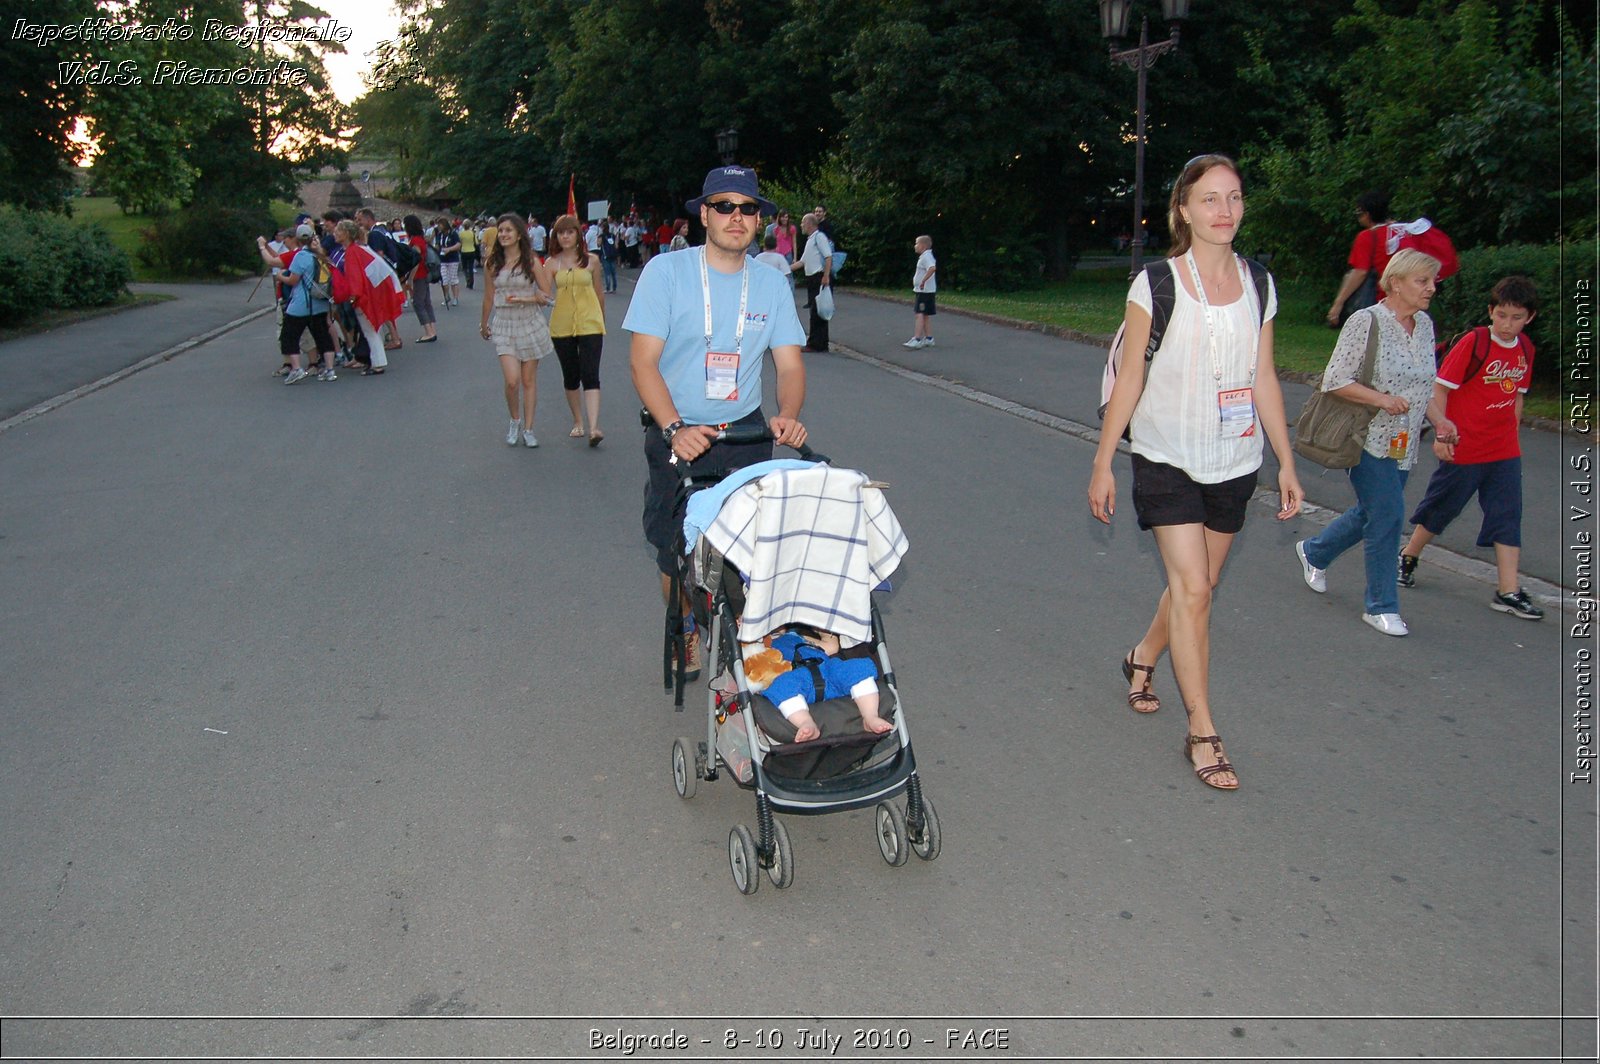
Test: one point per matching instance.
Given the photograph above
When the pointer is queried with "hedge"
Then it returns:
(205, 240)
(48, 265)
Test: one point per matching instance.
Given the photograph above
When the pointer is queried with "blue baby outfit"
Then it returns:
(839, 675)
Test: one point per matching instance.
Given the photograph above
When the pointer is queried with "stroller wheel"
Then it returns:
(742, 860)
(684, 777)
(892, 841)
(782, 871)
(927, 847)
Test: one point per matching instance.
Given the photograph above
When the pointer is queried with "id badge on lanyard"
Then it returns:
(722, 367)
(1238, 409)
(722, 375)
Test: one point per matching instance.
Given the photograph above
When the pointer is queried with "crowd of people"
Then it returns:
(544, 289)
(1197, 407)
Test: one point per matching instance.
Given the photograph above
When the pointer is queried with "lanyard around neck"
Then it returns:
(1211, 328)
(744, 300)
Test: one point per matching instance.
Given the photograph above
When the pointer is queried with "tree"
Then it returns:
(38, 111)
(163, 143)
(1474, 148)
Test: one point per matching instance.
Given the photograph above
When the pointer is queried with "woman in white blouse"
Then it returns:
(1402, 392)
(1196, 416)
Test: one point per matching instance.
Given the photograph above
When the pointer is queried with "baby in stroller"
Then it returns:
(818, 673)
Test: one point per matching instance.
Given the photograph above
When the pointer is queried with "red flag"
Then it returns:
(371, 283)
(572, 200)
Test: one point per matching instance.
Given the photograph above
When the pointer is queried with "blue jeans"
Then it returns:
(1374, 520)
(608, 273)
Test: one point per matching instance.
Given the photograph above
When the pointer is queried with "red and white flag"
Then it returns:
(371, 283)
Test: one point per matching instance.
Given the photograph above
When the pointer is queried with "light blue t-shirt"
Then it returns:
(301, 305)
(669, 303)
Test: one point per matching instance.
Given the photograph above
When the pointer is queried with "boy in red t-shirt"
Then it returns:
(1480, 385)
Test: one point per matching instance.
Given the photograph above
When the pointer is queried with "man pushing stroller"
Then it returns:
(701, 322)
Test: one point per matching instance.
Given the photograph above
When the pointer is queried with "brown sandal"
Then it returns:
(1222, 764)
(1140, 701)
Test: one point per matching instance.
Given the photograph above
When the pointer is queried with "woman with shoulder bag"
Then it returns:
(1401, 391)
(1196, 416)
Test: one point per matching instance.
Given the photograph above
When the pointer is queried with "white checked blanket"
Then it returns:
(813, 543)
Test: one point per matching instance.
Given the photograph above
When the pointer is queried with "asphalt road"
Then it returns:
(323, 702)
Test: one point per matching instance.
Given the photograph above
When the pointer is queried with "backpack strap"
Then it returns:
(1259, 276)
(1480, 352)
(1163, 297)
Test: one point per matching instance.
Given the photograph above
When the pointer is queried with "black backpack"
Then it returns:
(398, 253)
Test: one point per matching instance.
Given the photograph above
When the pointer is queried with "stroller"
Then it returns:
(847, 767)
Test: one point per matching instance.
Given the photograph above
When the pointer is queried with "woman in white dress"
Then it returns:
(515, 291)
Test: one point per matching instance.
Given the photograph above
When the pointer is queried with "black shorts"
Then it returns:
(663, 503)
(1166, 495)
(922, 303)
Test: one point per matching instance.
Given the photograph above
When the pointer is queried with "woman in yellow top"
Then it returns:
(578, 323)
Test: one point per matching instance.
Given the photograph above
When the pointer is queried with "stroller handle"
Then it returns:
(755, 434)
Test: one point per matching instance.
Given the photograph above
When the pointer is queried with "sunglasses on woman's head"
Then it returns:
(725, 207)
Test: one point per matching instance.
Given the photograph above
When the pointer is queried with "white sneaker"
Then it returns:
(296, 376)
(1387, 623)
(913, 343)
(1316, 579)
(927, 341)
(513, 433)
(529, 438)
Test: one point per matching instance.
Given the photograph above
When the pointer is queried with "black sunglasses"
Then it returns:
(725, 207)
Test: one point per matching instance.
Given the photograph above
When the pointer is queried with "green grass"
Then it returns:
(1091, 301)
(127, 230)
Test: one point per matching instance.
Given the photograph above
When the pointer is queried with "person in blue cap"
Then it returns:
(702, 320)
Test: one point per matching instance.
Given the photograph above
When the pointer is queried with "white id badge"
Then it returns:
(1238, 408)
(722, 375)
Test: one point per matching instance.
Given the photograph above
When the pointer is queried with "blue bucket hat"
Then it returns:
(739, 179)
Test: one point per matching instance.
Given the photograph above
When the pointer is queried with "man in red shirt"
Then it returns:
(1480, 385)
(1369, 252)
(664, 237)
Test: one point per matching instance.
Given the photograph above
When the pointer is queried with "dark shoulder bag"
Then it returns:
(1332, 431)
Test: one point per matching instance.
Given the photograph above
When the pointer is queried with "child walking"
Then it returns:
(923, 287)
(1480, 385)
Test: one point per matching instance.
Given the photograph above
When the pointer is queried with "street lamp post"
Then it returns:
(1114, 15)
(728, 145)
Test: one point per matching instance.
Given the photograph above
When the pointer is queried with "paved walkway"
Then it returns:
(1044, 373)
(40, 367)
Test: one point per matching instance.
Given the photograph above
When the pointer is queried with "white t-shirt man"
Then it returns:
(922, 278)
(536, 236)
(591, 238)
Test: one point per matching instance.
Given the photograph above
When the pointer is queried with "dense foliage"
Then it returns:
(46, 264)
(999, 126)
(162, 145)
(205, 239)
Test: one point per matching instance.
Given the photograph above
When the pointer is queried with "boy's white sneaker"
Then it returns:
(1387, 623)
(514, 433)
(927, 341)
(913, 343)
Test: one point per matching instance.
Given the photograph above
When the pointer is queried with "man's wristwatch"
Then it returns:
(671, 431)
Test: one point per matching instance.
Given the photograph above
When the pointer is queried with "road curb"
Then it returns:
(1545, 593)
(39, 409)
